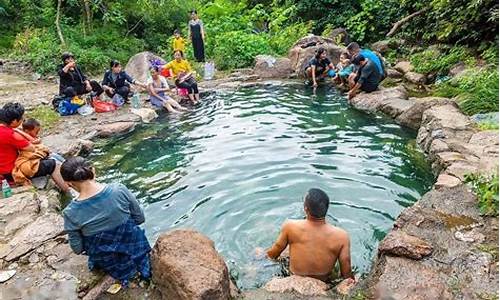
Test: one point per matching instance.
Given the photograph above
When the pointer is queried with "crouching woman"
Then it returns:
(102, 223)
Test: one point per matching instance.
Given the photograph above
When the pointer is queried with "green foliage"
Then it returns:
(486, 189)
(487, 126)
(282, 40)
(45, 115)
(434, 60)
(476, 89)
(236, 49)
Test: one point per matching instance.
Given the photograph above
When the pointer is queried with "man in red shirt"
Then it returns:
(11, 116)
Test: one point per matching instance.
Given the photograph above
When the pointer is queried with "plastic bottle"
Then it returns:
(136, 101)
(6, 190)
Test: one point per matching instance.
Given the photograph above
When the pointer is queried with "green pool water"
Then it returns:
(238, 165)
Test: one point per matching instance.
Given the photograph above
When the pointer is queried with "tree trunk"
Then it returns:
(58, 25)
(88, 15)
(400, 23)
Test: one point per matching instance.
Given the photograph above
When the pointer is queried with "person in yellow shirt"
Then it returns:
(178, 42)
(184, 75)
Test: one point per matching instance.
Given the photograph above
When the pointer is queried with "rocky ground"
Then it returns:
(440, 248)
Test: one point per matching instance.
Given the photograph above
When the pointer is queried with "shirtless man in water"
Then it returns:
(315, 245)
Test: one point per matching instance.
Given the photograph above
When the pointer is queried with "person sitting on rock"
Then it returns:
(184, 75)
(103, 223)
(12, 142)
(367, 76)
(157, 86)
(319, 67)
(72, 81)
(117, 81)
(354, 49)
(315, 245)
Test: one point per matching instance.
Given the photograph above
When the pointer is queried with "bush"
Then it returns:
(284, 39)
(433, 60)
(486, 189)
(237, 49)
(42, 49)
(476, 89)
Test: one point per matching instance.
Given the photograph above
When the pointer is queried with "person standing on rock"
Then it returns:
(12, 142)
(319, 67)
(103, 223)
(117, 81)
(367, 77)
(197, 35)
(72, 81)
(315, 246)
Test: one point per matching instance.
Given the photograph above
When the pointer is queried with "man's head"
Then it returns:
(177, 33)
(316, 203)
(353, 49)
(359, 60)
(67, 57)
(11, 114)
(32, 127)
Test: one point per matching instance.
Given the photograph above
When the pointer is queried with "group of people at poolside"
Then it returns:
(73, 82)
(358, 69)
(102, 220)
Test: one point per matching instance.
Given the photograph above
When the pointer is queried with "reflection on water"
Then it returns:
(237, 166)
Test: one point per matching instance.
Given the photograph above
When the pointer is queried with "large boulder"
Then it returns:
(187, 266)
(67, 146)
(147, 114)
(267, 66)
(381, 46)
(372, 102)
(415, 78)
(305, 286)
(17, 212)
(139, 64)
(413, 116)
(305, 49)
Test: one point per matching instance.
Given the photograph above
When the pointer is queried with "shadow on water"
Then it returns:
(238, 165)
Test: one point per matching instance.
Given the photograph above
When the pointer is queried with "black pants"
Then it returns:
(122, 91)
(189, 84)
(72, 91)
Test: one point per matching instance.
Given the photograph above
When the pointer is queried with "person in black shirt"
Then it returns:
(318, 66)
(117, 81)
(367, 77)
(72, 81)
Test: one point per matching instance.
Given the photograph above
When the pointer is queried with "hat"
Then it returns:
(357, 59)
(67, 55)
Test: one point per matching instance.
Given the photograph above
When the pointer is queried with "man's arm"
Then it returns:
(345, 258)
(280, 244)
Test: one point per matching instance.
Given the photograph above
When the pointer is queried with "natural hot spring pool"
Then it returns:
(238, 165)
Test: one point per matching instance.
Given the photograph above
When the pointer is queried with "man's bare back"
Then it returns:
(315, 247)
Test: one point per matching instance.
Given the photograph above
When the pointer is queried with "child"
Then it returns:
(344, 68)
(178, 42)
(31, 164)
(103, 224)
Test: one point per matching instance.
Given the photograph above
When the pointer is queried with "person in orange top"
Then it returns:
(178, 42)
(184, 75)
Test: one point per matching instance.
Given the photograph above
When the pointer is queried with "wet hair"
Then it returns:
(67, 55)
(358, 59)
(180, 51)
(77, 169)
(317, 203)
(320, 51)
(154, 68)
(30, 124)
(353, 46)
(11, 112)
(177, 31)
(193, 11)
(114, 63)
